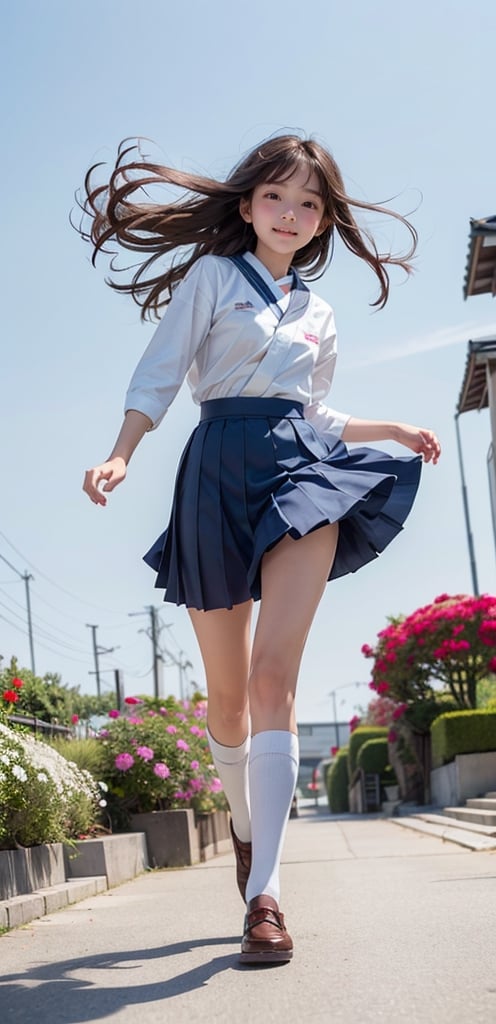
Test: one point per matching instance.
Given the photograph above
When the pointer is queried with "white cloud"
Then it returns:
(440, 338)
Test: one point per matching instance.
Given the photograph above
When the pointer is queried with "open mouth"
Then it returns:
(284, 231)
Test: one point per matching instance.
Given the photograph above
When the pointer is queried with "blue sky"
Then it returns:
(402, 96)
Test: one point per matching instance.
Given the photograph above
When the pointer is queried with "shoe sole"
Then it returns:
(276, 956)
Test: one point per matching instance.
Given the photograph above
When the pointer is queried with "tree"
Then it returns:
(47, 698)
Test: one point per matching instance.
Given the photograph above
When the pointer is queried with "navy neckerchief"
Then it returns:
(298, 298)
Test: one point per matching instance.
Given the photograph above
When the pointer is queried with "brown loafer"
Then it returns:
(265, 939)
(243, 861)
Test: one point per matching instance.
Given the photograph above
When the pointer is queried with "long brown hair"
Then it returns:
(206, 218)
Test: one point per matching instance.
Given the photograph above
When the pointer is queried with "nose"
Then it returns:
(288, 215)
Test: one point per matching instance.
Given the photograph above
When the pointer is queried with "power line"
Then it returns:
(37, 619)
(52, 583)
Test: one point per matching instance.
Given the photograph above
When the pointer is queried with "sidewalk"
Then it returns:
(389, 926)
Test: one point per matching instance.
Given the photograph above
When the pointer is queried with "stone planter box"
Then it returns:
(469, 775)
(172, 838)
(118, 857)
(180, 838)
(27, 870)
(214, 833)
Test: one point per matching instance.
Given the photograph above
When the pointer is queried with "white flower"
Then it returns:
(2, 777)
(42, 777)
(102, 803)
(103, 786)
(19, 773)
(5, 759)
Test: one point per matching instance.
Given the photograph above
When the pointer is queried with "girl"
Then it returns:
(269, 503)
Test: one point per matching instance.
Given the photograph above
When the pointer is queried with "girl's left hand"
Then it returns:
(423, 442)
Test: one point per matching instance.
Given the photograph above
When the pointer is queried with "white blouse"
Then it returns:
(219, 333)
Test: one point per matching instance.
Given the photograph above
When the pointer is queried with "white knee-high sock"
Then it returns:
(273, 770)
(232, 767)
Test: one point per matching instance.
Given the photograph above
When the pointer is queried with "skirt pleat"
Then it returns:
(253, 471)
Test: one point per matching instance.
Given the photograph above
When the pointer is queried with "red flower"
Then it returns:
(392, 736)
(334, 751)
(17, 683)
(74, 719)
(492, 665)
(10, 696)
(132, 700)
(382, 687)
(354, 722)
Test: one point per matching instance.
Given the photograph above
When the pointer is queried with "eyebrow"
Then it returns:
(284, 181)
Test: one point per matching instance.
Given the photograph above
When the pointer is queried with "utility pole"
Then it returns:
(332, 694)
(468, 528)
(153, 632)
(119, 688)
(96, 652)
(26, 576)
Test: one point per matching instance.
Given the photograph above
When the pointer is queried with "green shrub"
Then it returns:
(357, 739)
(373, 756)
(462, 732)
(337, 783)
(86, 753)
(43, 797)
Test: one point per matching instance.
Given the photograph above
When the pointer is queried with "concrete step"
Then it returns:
(485, 803)
(470, 814)
(442, 819)
(462, 837)
(491, 796)
(19, 910)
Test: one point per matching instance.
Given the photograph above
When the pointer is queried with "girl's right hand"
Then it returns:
(113, 472)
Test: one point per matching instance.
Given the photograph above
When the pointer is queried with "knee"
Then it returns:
(271, 685)
(228, 710)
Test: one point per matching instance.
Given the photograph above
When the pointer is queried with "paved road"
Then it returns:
(389, 926)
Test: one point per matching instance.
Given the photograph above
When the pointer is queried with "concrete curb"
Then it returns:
(19, 910)
(460, 836)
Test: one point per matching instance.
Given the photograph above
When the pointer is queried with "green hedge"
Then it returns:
(357, 739)
(462, 732)
(373, 756)
(337, 783)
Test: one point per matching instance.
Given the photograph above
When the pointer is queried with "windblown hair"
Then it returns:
(206, 218)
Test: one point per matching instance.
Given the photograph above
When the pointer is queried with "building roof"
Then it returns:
(473, 394)
(480, 275)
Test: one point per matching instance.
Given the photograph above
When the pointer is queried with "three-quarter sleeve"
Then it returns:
(182, 330)
(324, 419)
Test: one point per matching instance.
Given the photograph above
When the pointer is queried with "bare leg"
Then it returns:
(294, 574)
(224, 639)
(293, 578)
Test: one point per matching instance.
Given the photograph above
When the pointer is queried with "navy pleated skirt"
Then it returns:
(254, 470)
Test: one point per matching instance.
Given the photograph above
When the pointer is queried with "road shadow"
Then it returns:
(50, 992)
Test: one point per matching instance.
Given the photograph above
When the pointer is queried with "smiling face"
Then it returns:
(285, 215)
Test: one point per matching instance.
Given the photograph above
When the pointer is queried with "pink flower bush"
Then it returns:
(149, 765)
(450, 643)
